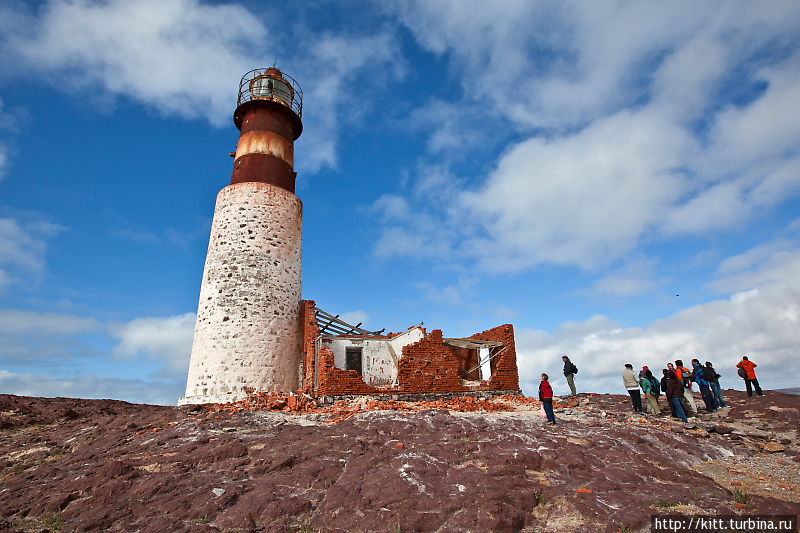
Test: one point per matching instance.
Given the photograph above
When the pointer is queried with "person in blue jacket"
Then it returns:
(699, 377)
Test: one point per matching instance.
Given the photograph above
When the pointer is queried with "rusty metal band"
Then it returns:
(266, 142)
(269, 116)
(264, 168)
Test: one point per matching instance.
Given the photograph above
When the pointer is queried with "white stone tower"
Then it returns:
(247, 336)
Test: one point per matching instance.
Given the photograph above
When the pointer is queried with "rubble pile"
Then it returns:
(302, 403)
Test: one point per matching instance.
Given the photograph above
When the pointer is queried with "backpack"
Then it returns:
(655, 386)
(574, 368)
(742, 372)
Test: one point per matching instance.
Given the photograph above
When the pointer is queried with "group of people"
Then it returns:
(676, 383)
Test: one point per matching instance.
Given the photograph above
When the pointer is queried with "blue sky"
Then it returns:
(621, 181)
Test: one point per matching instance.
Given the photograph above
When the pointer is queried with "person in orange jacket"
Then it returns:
(750, 380)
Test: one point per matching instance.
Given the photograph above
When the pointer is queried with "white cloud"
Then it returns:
(585, 199)
(182, 57)
(337, 72)
(186, 57)
(547, 65)
(89, 386)
(49, 339)
(459, 293)
(765, 128)
(633, 132)
(23, 245)
(391, 207)
(6, 123)
(3, 160)
(3, 150)
(451, 126)
(17, 322)
(616, 285)
(768, 264)
(762, 321)
(752, 161)
(168, 341)
(65, 344)
(355, 317)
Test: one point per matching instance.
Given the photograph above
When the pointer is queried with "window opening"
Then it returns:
(352, 360)
(486, 365)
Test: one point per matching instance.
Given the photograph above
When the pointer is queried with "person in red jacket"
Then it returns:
(546, 397)
(750, 381)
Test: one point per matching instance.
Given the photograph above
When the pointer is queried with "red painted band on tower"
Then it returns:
(264, 168)
(270, 116)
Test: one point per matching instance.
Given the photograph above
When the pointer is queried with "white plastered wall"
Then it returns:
(378, 366)
(247, 334)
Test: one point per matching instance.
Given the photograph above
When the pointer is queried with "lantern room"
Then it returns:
(270, 88)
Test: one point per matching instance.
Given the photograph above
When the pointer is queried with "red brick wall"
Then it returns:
(310, 332)
(505, 375)
(468, 360)
(335, 381)
(427, 366)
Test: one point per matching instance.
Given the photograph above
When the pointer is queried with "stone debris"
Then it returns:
(301, 403)
(773, 447)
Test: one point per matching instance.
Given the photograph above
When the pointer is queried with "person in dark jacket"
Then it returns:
(546, 397)
(713, 380)
(699, 377)
(569, 372)
(675, 395)
(664, 386)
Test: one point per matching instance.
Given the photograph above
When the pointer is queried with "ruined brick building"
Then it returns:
(253, 331)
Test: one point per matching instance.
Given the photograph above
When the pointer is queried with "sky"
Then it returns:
(619, 180)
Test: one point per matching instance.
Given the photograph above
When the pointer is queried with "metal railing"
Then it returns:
(250, 89)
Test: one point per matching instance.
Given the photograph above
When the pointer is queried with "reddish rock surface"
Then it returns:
(277, 464)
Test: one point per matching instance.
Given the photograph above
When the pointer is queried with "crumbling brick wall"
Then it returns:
(505, 375)
(427, 366)
(337, 381)
(469, 360)
(308, 319)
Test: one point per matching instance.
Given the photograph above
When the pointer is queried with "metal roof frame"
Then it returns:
(473, 344)
(332, 325)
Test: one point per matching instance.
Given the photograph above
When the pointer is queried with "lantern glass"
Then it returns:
(267, 87)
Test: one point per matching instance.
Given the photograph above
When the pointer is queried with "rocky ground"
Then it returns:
(284, 465)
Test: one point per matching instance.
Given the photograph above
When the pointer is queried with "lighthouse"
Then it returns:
(247, 336)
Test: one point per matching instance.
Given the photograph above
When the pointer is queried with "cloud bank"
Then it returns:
(636, 124)
(761, 320)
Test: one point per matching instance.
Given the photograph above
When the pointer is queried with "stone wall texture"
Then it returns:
(248, 332)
